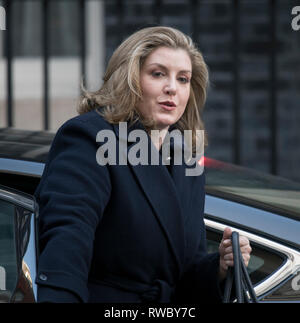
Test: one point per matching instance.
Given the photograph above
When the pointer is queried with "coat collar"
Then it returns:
(166, 202)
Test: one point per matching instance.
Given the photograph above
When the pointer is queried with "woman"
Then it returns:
(125, 232)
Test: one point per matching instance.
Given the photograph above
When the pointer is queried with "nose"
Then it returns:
(170, 86)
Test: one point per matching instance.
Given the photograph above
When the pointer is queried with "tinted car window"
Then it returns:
(263, 262)
(26, 184)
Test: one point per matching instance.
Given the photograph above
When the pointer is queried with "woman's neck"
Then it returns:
(158, 136)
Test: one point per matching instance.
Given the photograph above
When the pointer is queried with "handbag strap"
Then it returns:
(243, 286)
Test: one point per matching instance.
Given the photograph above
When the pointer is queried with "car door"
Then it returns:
(273, 267)
(18, 247)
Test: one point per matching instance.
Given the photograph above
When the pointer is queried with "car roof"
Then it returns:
(27, 151)
(25, 144)
(255, 188)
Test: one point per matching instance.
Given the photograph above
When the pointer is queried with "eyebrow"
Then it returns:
(164, 67)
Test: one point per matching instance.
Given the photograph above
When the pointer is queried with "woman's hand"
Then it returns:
(226, 255)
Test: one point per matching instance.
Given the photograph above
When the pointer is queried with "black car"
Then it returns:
(262, 207)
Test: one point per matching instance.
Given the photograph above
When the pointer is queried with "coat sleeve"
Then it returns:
(200, 283)
(200, 279)
(72, 196)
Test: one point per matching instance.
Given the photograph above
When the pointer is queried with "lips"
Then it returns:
(168, 105)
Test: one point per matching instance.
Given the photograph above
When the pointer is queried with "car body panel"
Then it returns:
(30, 257)
(21, 167)
(25, 144)
(251, 187)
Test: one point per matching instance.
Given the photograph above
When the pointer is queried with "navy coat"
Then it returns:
(119, 233)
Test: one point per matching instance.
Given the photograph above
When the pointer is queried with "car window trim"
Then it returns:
(18, 198)
(288, 268)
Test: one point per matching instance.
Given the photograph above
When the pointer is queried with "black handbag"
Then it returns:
(244, 291)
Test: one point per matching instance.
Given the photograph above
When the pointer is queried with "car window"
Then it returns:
(8, 262)
(263, 261)
(23, 183)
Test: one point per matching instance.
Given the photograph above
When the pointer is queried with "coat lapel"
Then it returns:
(165, 202)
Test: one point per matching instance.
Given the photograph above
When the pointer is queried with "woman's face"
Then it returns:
(165, 83)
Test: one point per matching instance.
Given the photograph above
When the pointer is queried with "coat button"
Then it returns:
(43, 277)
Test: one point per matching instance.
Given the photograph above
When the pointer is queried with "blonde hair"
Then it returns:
(118, 96)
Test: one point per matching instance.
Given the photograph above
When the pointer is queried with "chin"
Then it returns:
(163, 125)
(165, 122)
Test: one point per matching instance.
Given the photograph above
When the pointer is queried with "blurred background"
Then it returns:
(252, 113)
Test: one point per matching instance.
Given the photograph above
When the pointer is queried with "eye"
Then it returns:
(157, 74)
(183, 79)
